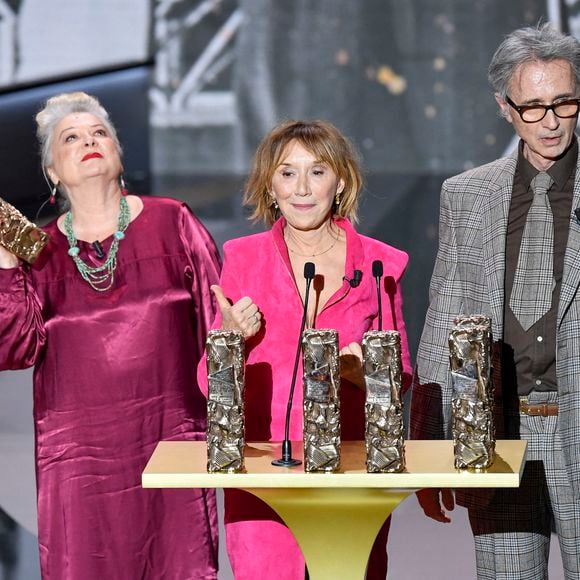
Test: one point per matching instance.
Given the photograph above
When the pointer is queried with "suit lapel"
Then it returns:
(571, 273)
(495, 219)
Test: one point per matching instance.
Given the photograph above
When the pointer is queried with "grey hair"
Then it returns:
(56, 109)
(543, 43)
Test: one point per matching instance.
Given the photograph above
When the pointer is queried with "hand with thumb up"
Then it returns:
(243, 315)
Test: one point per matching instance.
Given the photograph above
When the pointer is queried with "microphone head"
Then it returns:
(377, 269)
(309, 270)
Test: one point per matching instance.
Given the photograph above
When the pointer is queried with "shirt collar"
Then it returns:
(560, 172)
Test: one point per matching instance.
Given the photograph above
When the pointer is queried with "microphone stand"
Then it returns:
(287, 460)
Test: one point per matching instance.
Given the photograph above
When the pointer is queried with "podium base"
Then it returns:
(334, 527)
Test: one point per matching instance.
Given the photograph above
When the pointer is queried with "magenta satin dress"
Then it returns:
(115, 372)
(259, 544)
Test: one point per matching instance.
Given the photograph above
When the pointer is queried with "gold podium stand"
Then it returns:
(335, 517)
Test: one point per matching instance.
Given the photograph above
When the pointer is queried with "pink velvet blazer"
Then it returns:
(258, 266)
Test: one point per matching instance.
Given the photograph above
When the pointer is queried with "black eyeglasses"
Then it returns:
(534, 113)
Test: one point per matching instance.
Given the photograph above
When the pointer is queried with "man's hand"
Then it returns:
(243, 315)
(433, 500)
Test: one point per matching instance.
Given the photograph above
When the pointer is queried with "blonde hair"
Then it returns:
(57, 108)
(326, 143)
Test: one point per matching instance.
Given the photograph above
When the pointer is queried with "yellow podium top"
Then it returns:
(176, 464)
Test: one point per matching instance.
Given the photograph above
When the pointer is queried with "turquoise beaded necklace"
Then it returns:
(102, 277)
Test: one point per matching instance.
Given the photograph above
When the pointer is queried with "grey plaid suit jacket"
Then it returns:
(468, 278)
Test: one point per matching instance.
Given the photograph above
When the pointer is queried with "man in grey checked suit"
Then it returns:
(483, 251)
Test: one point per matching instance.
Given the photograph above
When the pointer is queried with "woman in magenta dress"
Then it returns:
(305, 183)
(114, 322)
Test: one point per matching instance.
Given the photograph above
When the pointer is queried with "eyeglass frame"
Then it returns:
(521, 109)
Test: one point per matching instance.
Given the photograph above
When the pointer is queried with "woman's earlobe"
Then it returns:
(52, 176)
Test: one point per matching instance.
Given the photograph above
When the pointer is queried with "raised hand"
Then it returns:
(243, 315)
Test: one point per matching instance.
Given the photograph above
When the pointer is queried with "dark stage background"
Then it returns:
(193, 85)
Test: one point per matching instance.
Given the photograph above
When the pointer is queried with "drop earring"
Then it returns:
(52, 199)
(337, 199)
(122, 183)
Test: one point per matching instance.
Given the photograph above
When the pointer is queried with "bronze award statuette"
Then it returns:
(18, 235)
(472, 400)
(225, 401)
(384, 431)
(321, 400)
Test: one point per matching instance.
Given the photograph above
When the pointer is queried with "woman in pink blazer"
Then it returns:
(305, 183)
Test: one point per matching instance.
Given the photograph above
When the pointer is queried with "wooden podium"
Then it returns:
(335, 517)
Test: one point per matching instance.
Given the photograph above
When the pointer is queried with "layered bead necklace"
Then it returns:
(100, 278)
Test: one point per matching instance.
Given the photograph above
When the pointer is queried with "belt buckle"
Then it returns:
(524, 405)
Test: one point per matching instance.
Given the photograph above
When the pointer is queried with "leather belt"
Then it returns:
(538, 410)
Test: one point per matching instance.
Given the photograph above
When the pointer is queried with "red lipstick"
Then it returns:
(92, 155)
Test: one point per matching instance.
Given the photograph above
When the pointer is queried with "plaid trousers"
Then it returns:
(512, 533)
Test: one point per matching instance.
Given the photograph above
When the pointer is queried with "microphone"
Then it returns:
(378, 274)
(98, 249)
(287, 460)
(355, 280)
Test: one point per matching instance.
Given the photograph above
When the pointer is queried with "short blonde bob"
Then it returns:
(326, 143)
